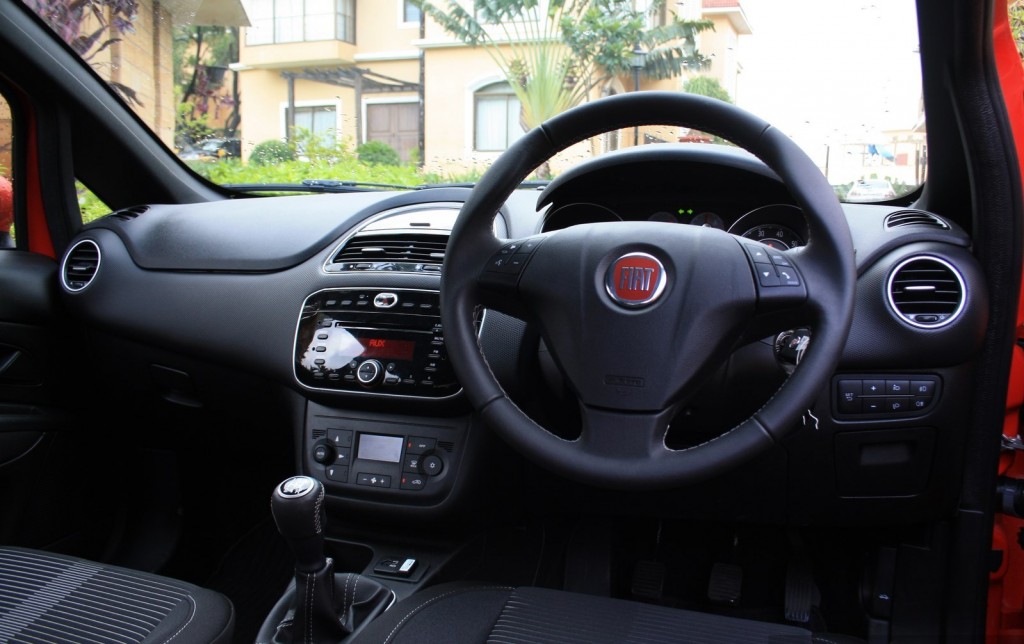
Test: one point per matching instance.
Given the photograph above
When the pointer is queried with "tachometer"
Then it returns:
(775, 236)
(708, 219)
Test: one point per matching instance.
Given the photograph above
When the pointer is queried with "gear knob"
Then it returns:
(298, 508)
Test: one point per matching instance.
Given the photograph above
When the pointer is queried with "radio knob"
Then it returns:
(369, 372)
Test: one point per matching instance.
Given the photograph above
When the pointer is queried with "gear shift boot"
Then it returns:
(324, 607)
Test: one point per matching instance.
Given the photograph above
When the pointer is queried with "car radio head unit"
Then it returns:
(388, 342)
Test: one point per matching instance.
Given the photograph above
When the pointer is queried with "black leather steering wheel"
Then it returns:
(637, 315)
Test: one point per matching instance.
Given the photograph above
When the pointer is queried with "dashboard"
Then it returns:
(335, 299)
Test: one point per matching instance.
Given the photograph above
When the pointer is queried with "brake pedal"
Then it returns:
(726, 584)
(648, 580)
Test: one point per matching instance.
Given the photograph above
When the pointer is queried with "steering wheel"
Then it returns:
(638, 314)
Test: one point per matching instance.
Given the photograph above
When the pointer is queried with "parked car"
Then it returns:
(212, 150)
(871, 190)
(500, 409)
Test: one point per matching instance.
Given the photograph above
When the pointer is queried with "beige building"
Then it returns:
(362, 70)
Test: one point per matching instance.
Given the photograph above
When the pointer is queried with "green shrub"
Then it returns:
(378, 153)
(271, 152)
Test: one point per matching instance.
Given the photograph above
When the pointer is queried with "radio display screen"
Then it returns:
(374, 447)
(387, 348)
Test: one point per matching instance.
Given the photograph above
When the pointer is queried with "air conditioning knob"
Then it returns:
(370, 373)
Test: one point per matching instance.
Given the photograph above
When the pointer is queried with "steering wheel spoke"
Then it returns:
(499, 278)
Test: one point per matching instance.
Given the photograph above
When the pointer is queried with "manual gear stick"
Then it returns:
(298, 508)
(322, 606)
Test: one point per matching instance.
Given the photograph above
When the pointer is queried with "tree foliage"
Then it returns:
(110, 18)
(707, 86)
(554, 53)
(1017, 24)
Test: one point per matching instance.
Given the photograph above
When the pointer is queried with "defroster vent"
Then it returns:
(914, 218)
(80, 265)
(401, 252)
(926, 292)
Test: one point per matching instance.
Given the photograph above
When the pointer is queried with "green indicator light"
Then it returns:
(690, 211)
(682, 212)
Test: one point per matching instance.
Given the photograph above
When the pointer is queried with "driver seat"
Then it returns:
(461, 613)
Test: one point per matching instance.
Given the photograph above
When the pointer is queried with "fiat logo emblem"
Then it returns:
(635, 280)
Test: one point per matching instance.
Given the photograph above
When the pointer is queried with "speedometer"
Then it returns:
(775, 236)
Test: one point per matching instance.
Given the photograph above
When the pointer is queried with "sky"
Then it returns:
(831, 71)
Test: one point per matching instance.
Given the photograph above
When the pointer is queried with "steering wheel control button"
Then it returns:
(758, 253)
(340, 437)
(766, 275)
(336, 473)
(864, 397)
(778, 258)
(635, 280)
(432, 465)
(373, 480)
(787, 276)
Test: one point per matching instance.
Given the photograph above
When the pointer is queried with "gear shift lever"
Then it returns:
(321, 606)
(298, 508)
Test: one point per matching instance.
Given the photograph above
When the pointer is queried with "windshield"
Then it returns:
(412, 92)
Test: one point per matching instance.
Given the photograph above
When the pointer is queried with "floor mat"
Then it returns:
(253, 574)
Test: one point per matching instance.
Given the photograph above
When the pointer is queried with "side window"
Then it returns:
(6, 175)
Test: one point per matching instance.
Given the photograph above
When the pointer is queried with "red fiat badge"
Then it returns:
(635, 280)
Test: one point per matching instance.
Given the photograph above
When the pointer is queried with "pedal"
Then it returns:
(648, 580)
(802, 593)
(726, 584)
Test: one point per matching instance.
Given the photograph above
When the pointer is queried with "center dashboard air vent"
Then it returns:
(80, 265)
(410, 252)
(926, 292)
(914, 218)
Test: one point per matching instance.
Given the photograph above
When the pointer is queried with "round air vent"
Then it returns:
(80, 265)
(926, 292)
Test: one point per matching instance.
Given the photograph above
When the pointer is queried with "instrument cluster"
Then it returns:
(780, 226)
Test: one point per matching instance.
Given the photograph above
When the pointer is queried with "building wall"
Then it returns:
(6, 139)
(142, 61)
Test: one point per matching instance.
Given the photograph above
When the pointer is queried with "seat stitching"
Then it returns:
(310, 589)
(438, 598)
(190, 617)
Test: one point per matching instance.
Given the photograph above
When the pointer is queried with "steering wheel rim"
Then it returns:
(637, 457)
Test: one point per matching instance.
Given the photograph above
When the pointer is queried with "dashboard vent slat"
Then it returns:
(80, 265)
(914, 218)
(926, 292)
(391, 251)
(128, 214)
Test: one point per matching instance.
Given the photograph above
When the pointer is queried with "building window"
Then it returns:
(410, 12)
(496, 118)
(320, 121)
(283, 21)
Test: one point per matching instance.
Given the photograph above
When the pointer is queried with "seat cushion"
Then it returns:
(46, 598)
(460, 613)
